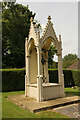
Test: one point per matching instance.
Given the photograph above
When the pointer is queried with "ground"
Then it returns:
(11, 110)
(71, 111)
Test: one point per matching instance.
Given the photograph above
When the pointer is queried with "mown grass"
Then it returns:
(72, 91)
(10, 110)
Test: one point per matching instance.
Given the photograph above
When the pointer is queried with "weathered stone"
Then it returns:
(34, 54)
(32, 105)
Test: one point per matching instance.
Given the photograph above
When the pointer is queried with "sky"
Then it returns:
(64, 17)
(65, 21)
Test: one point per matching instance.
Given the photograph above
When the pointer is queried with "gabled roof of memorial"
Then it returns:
(49, 30)
(32, 31)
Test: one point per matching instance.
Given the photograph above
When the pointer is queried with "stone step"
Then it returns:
(34, 106)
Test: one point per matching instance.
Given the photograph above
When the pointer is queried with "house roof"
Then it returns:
(75, 66)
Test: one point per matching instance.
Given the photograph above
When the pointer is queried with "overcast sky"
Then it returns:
(64, 17)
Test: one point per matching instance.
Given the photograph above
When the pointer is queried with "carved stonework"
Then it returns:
(36, 54)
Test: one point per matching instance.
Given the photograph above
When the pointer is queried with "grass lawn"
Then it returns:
(10, 110)
(71, 91)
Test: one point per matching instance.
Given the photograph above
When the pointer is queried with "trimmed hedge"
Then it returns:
(71, 77)
(68, 78)
(76, 77)
(14, 79)
(53, 76)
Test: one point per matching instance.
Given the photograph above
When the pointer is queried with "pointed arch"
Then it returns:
(47, 41)
(31, 44)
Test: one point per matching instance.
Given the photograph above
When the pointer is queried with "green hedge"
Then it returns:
(14, 79)
(71, 77)
(76, 77)
(53, 76)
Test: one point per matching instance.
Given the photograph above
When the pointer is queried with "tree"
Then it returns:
(15, 28)
(51, 53)
(69, 60)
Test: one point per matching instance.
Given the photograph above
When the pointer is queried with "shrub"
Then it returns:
(76, 77)
(53, 76)
(71, 77)
(68, 78)
(14, 79)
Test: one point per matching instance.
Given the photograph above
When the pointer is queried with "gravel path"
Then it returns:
(72, 111)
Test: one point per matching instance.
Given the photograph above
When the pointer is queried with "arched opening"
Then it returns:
(52, 57)
(37, 84)
(55, 62)
(49, 49)
(33, 62)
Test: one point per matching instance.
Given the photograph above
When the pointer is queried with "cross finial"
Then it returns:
(31, 19)
(49, 17)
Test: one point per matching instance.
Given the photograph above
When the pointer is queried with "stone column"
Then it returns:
(46, 69)
(28, 73)
(27, 67)
(39, 77)
(60, 68)
(26, 85)
(60, 72)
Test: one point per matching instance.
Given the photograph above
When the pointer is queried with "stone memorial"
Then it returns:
(36, 56)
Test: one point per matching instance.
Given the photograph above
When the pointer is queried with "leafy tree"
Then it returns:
(15, 28)
(51, 53)
(69, 60)
(70, 57)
